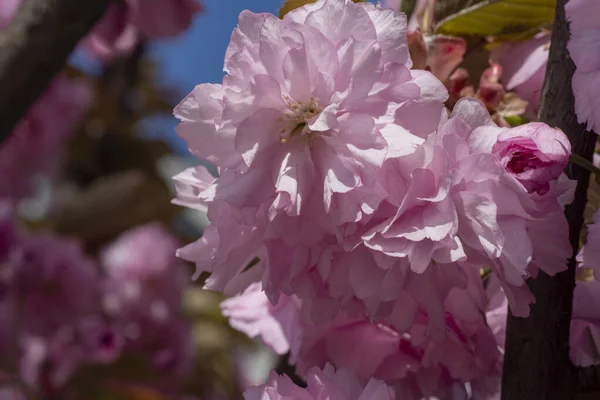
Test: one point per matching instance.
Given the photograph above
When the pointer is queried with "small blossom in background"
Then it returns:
(127, 23)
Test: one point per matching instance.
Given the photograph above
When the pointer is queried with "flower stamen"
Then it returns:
(296, 121)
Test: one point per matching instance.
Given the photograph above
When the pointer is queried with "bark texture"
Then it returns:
(537, 364)
(34, 48)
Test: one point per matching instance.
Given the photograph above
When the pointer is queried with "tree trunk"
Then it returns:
(536, 363)
(35, 46)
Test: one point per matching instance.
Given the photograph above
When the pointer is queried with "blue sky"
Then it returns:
(197, 55)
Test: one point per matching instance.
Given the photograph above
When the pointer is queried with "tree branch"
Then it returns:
(536, 363)
(34, 48)
(588, 379)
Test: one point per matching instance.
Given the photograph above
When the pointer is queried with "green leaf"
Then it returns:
(290, 5)
(516, 120)
(407, 7)
(493, 17)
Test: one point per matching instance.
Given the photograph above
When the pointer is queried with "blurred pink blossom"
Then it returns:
(524, 67)
(126, 23)
(584, 22)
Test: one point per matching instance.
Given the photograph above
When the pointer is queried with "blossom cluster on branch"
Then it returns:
(360, 224)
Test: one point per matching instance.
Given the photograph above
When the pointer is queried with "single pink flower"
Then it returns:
(299, 128)
(534, 153)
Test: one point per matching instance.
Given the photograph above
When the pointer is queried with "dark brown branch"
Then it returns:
(536, 364)
(588, 379)
(34, 48)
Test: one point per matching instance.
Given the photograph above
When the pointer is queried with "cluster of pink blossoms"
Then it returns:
(59, 313)
(361, 208)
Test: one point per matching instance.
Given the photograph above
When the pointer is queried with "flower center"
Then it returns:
(295, 122)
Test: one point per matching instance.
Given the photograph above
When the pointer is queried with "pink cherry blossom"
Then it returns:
(143, 276)
(142, 294)
(524, 67)
(464, 205)
(311, 127)
(326, 384)
(58, 280)
(303, 120)
(163, 18)
(584, 17)
(279, 326)
(125, 24)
